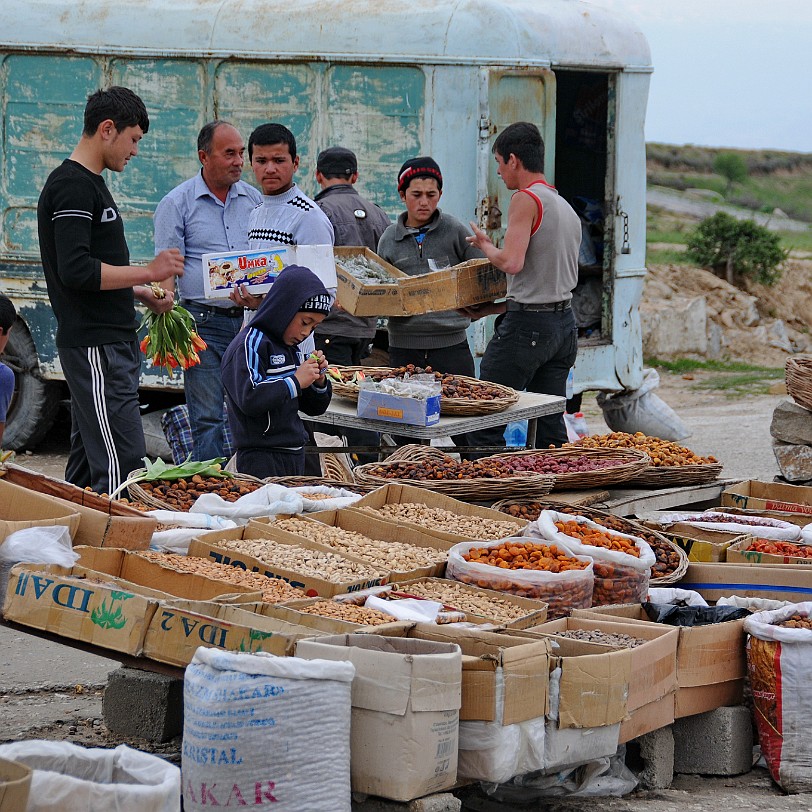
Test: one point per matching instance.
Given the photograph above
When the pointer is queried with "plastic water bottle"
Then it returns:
(570, 383)
(516, 434)
(579, 425)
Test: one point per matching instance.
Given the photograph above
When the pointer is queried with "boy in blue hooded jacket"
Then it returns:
(267, 382)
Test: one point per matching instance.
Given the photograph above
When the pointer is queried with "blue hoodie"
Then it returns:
(263, 395)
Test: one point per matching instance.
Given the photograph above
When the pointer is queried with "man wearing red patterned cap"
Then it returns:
(424, 239)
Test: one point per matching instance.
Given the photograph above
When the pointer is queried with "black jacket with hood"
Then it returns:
(258, 368)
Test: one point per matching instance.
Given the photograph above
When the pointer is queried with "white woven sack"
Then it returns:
(263, 730)
(70, 778)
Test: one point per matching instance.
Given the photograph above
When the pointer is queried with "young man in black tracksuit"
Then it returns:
(93, 287)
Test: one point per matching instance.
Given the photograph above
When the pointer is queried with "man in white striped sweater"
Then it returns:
(92, 287)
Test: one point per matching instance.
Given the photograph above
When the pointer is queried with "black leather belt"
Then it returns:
(554, 306)
(231, 312)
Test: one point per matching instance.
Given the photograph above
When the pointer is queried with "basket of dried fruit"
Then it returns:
(477, 480)
(460, 395)
(581, 467)
(671, 463)
(798, 374)
(672, 562)
(177, 487)
(303, 481)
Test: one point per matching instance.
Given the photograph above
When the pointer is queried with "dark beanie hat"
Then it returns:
(424, 167)
(337, 161)
(320, 303)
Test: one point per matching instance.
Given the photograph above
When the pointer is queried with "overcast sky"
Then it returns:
(728, 73)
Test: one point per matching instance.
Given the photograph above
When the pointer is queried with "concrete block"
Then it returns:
(143, 704)
(719, 742)
(792, 423)
(657, 756)
(439, 802)
(794, 461)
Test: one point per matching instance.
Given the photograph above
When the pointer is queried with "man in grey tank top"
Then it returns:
(535, 336)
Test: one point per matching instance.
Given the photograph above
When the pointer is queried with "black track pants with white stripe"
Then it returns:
(107, 436)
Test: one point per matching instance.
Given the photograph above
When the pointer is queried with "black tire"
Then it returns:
(35, 401)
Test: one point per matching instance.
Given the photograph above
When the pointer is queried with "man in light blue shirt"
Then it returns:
(205, 214)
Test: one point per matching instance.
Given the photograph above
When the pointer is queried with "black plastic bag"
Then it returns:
(673, 615)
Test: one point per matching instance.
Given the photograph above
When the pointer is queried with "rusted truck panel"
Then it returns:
(389, 80)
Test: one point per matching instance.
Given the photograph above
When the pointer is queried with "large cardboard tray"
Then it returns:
(102, 522)
(399, 494)
(21, 509)
(782, 582)
(757, 495)
(711, 660)
(468, 283)
(206, 546)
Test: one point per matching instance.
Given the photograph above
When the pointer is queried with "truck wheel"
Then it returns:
(35, 401)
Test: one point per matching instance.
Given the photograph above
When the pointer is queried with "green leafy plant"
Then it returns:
(723, 243)
(732, 167)
(185, 470)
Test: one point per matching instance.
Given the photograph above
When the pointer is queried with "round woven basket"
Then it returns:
(657, 540)
(448, 405)
(139, 494)
(798, 373)
(303, 481)
(333, 468)
(630, 464)
(472, 490)
(663, 476)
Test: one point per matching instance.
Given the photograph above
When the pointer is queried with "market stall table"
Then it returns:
(530, 407)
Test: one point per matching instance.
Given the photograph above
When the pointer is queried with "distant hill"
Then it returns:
(781, 180)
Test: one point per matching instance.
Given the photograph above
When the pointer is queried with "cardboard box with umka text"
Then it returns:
(399, 408)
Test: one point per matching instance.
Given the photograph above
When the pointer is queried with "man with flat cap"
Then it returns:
(342, 337)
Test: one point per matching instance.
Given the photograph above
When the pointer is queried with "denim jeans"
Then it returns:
(532, 351)
(203, 383)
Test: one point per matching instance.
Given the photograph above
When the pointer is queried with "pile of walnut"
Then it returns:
(663, 453)
(434, 518)
(273, 590)
(181, 494)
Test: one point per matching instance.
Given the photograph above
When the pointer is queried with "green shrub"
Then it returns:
(723, 243)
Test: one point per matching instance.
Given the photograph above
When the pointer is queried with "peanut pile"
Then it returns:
(393, 556)
(593, 636)
(472, 527)
(346, 611)
(314, 563)
(663, 453)
(181, 494)
(797, 622)
(273, 590)
(465, 599)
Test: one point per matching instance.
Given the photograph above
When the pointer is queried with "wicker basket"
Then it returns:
(139, 494)
(448, 406)
(304, 481)
(655, 539)
(472, 490)
(631, 463)
(665, 476)
(332, 467)
(798, 372)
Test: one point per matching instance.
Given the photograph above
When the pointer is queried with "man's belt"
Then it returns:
(231, 312)
(548, 306)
